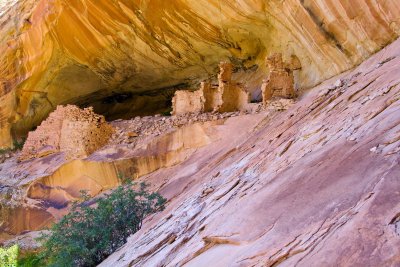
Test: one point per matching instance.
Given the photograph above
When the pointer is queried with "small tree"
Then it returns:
(87, 235)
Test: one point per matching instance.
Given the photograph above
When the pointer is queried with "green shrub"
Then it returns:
(18, 145)
(31, 260)
(9, 256)
(88, 234)
(123, 179)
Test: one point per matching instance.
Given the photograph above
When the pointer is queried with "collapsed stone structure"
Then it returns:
(77, 132)
(227, 96)
(280, 81)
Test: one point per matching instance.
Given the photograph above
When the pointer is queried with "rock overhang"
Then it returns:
(61, 53)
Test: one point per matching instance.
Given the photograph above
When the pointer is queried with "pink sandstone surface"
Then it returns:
(306, 182)
(316, 185)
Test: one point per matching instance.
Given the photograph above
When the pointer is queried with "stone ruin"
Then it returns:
(69, 129)
(280, 81)
(227, 96)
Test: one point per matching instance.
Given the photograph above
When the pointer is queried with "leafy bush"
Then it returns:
(9, 256)
(87, 235)
(31, 260)
(123, 179)
(18, 145)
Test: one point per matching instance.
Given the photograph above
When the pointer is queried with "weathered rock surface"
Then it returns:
(315, 185)
(128, 56)
(309, 183)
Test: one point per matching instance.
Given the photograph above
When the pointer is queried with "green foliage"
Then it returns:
(18, 145)
(31, 260)
(6, 150)
(87, 235)
(123, 179)
(9, 256)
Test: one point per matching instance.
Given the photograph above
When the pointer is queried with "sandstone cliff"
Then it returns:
(316, 185)
(128, 56)
(311, 181)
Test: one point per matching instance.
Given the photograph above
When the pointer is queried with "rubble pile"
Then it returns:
(131, 131)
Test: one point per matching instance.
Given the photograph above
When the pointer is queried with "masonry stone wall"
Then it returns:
(280, 81)
(226, 97)
(209, 96)
(187, 102)
(77, 132)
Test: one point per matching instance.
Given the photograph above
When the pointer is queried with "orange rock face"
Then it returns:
(55, 52)
(308, 183)
(68, 129)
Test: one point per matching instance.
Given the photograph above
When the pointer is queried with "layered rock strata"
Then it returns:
(122, 56)
(315, 185)
(34, 193)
